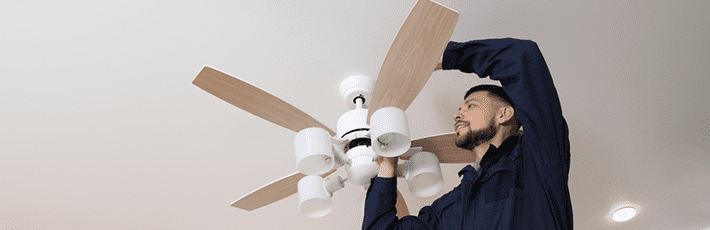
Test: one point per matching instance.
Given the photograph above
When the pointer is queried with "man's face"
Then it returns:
(474, 121)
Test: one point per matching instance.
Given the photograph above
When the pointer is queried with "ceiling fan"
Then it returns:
(407, 67)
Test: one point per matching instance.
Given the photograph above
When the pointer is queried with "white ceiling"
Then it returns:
(101, 128)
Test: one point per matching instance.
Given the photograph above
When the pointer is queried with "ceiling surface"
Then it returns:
(101, 127)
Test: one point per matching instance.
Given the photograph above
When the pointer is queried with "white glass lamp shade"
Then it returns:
(423, 174)
(314, 151)
(361, 167)
(390, 132)
(313, 199)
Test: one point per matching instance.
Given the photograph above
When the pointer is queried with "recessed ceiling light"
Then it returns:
(623, 214)
(623, 211)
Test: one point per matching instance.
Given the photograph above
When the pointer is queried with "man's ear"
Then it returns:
(505, 115)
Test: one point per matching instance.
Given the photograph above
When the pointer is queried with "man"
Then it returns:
(517, 181)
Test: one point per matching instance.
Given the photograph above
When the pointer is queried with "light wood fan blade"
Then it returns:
(401, 205)
(418, 46)
(272, 192)
(444, 147)
(254, 100)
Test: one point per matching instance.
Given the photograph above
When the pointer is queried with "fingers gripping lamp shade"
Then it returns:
(390, 132)
(314, 151)
(423, 174)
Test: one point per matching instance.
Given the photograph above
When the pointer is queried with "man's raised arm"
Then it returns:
(523, 73)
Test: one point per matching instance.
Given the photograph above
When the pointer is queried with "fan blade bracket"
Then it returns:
(339, 141)
(339, 151)
(411, 152)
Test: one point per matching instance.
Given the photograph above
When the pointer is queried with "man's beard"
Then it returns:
(472, 138)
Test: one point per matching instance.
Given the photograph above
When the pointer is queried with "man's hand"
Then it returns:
(440, 64)
(388, 167)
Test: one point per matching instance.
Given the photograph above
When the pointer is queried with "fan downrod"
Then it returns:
(354, 87)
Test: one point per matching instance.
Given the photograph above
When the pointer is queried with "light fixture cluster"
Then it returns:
(356, 146)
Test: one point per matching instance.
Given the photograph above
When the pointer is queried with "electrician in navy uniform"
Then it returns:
(517, 181)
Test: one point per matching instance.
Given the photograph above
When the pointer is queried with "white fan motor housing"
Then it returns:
(352, 120)
(354, 86)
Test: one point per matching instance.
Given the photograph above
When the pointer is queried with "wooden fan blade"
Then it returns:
(272, 192)
(401, 205)
(444, 147)
(418, 46)
(254, 100)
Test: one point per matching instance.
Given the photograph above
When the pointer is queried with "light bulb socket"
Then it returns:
(390, 132)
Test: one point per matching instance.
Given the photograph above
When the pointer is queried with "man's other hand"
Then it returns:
(388, 166)
(440, 64)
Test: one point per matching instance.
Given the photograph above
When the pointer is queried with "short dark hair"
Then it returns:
(497, 93)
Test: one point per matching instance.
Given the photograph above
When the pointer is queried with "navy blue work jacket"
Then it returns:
(522, 184)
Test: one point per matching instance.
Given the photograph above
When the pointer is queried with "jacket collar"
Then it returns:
(492, 162)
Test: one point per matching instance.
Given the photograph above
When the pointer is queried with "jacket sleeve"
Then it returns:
(381, 213)
(523, 73)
